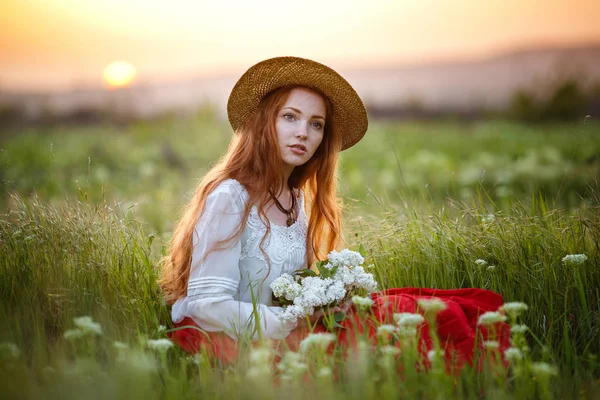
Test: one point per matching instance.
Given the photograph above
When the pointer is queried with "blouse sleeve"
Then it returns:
(215, 278)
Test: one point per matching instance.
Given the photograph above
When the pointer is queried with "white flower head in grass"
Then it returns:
(481, 263)
(344, 258)
(491, 267)
(574, 259)
(73, 334)
(435, 355)
(161, 329)
(514, 308)
(87, 325)
(488, 218)
(513, 354)
(319, 341)
(408, 319)
(9, 351)
(543, 370)
(491, 344)
(389, 350)
(407, 332)
(491, 318)
(160, 345)
(362, 303)
(291, 366)
(385, 330)
(432, 305)
(519, 329)
(286, 286)
(260, 356)
(324, 372)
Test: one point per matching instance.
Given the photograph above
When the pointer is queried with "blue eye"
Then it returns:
(289, 117)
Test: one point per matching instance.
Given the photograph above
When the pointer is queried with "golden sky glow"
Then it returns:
(58, 44)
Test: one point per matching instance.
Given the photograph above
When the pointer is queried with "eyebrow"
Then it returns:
(300, 112)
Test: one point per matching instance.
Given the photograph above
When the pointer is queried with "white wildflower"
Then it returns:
(408, 319)
(258, 372)
(435, 355)
(481, 263)
(9, 350)
(324, 372)
(514, 308)
(161, 329)
(407, 332)
(542, 369)
(432, 305)
(574, 259)
(491, 344)
(388, 350)
(119, 346)
(386, 329)
(519, 328)
(346, 258)
(491, 268)
(160, 345)
(73, 334)
(291, 366)
(513, 354)
(260, 356)
(317, 340)
(87, 325)
(491, 318)
(362, 303)
(286, 286)
(486, 219)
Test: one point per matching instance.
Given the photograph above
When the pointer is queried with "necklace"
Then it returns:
(289, 213)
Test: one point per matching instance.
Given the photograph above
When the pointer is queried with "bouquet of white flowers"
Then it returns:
(340, 277)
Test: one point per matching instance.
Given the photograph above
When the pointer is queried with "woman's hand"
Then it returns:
(321, 313)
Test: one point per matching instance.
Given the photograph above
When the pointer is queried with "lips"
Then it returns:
(298, 148)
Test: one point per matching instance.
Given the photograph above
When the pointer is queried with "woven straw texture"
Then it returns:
(349, 112)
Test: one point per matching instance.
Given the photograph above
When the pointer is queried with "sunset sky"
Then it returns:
(63, 44)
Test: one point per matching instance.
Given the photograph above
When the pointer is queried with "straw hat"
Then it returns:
(349, 112)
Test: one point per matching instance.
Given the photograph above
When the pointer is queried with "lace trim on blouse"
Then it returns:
(283, 244)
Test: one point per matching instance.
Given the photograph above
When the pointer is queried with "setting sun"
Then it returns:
(119, 74)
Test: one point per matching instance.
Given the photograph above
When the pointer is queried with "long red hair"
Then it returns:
(245, 161)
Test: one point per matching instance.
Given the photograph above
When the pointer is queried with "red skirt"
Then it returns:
(456, 326)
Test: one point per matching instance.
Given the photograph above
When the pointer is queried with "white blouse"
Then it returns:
(220, 287)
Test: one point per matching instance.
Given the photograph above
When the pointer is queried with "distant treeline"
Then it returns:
(564, 100)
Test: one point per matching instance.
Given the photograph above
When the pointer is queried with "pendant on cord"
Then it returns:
(289, 213)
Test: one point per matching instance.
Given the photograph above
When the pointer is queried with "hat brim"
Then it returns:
(349, 112)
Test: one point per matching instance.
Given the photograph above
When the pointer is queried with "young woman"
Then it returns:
(269, 207)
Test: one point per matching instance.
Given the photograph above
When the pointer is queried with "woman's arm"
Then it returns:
(215, 277)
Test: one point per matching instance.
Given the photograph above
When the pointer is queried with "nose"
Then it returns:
(302, 132)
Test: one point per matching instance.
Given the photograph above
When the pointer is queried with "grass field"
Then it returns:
(91, 209)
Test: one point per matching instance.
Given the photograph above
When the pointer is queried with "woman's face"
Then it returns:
(300, 126)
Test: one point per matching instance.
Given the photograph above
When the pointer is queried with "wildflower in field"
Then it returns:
(514, 308)
(574, 259)
(491, 344)
(362, 303)
(73, 334)
(542, 369)
(324, 372)
(160, 345)
(435, 355)
(291, 366)
(407, 332)
(260, 356)
(432, 305)
(491, 318)
(120, 346)
(161, 329)
(519, 328)
(486, 219)
(513, 354)
(9, 351)
(345, 258)
(481, 263)
(408, 319)
(87, 325)
(139, 361)
(317, 340)
(389, 350)
(491, 267)
(386, 330)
